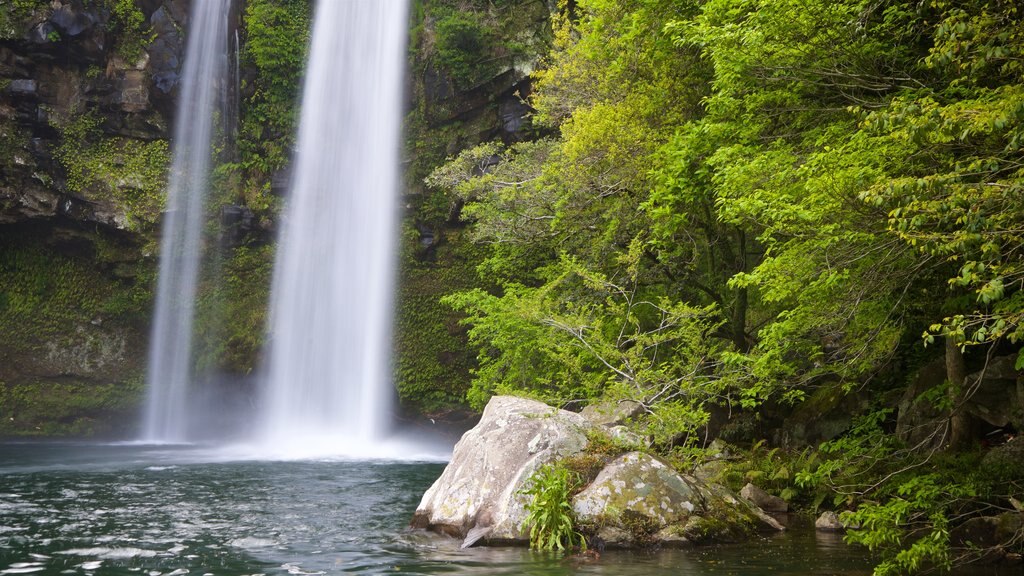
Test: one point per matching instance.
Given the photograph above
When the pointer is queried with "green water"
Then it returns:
(124, 509)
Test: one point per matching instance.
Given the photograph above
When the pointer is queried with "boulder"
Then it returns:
(824, 415)
(763, 500)
(635, 500)
(920, 424)
(1009, 456)
(612, 413)
(999, 395)
(479, 492)
(639, 500)
(829, 522)
(988, 536)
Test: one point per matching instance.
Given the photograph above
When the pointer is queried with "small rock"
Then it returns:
(766, 501)
(624, 435)
(829, 522)
(611, 413)
(24, 86)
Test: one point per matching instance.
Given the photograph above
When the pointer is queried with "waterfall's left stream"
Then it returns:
(170, 372)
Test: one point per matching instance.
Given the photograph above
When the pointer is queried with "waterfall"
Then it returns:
(328, 374)
(169, 374)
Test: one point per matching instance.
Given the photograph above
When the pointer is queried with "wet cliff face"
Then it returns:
(87, 96)
(469, 75)
(86, 92)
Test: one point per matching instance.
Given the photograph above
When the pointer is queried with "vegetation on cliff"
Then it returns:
(748, 203)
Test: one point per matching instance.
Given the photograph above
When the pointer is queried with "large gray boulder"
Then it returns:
(636, 499)
(478, 494)
(639, 500)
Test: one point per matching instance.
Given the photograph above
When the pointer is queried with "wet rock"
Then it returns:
(132, 93)
(988, 535)
(43, 33)
(829, 522)
(612, 413)
(639, 500)
(72, 19)
(999, 393)
(764, 500)
(919, 422)
(237, 222)
(479, 490)
(165, 52)
(23, 87)
(826, 414)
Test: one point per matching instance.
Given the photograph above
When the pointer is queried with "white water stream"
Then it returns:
(170, 372)
(328, 387)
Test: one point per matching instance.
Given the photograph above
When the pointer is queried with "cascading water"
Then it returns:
(170, 358)
(328, 381)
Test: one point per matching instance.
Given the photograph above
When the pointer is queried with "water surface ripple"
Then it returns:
(129, 509)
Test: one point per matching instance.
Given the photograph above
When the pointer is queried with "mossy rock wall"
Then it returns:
(469, 67)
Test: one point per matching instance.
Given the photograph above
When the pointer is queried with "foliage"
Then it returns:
(464, 46)
(549, 511)
(582, 335)
(474, 42)
(276, 37)
(129, 23)
(774, 196)
(14, 14)
(231, 310)
(431, 358)
(129, 173)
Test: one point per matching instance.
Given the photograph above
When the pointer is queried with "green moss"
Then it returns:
(66, 408)
(129, 24)
(15, 14)
(276, 35)
(130, 173)
(63, 308)
(231, 310)
(45, 293)
(465, 46)
(474, 42)
(433, 361)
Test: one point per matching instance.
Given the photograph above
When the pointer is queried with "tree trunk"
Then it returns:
(738, 321)
(961, 425)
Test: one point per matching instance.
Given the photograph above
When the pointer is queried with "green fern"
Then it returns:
(549, 512)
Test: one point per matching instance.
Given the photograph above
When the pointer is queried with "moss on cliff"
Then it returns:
(432, 359)
(131, 174)
(67, 407)
(73, 306)
(231, 311)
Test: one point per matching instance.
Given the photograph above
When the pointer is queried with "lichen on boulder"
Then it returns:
(480, 490)
(639, 500)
